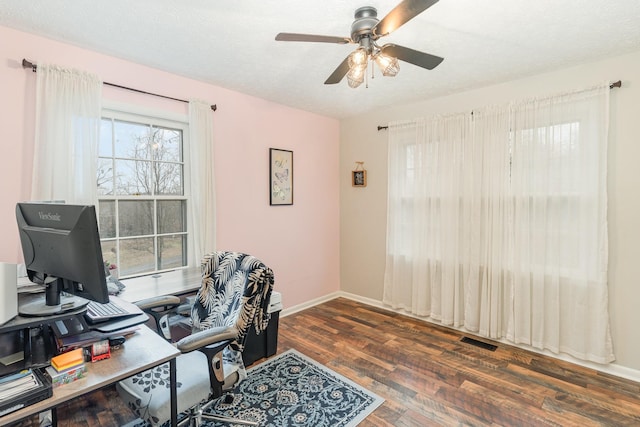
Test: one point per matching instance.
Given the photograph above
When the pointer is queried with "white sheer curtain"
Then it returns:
(202, 181)
(559, 185)
(405, 286)
(447, 199)
(488, 238)
(68, 108)
(497, 222)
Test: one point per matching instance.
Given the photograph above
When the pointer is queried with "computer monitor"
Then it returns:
(61, 247)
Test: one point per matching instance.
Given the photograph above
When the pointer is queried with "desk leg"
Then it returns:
(174, 392)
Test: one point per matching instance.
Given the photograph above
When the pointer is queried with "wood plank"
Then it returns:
(428, 377)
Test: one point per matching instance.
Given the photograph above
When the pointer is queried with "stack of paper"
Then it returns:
(15, 384)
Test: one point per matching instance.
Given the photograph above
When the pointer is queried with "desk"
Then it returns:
(21, 322)
(143, 350)
(176, 282)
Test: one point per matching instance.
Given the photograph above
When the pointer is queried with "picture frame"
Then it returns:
(280, 177)
(359, 178)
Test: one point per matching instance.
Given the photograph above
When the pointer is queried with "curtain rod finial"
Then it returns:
(29, 64)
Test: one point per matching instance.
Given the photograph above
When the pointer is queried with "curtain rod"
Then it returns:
(34, 68)
(611, 86)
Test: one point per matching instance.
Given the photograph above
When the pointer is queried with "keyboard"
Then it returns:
(99, 312)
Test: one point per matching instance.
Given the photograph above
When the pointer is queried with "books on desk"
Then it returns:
(17, 383)
(22, 389)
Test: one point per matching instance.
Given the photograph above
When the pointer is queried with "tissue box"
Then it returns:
(66, 377)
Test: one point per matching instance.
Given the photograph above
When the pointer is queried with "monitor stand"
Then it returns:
(52, 302)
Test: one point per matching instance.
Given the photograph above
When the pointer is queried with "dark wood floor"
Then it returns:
(427, 376)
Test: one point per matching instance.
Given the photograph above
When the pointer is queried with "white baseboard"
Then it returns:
(296, 308)
(611, 368)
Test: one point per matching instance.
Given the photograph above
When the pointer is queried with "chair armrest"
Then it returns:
(211, 342)
(184, 309)
(207, 337)
(159, 308)
(160, 301)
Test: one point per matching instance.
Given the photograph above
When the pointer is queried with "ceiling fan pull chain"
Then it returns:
(372, 68)
(366, 76)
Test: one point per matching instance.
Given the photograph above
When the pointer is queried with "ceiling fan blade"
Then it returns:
(294, 37)
(401, 14)
(411, 56)
(339, 73)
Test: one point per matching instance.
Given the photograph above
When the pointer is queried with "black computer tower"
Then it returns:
(264, 345)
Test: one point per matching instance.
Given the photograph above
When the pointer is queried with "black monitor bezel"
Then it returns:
(68, 240)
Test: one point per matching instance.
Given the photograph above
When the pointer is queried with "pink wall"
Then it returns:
(300, 242)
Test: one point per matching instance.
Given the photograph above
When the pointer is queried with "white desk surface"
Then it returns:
(141, 351)
(176, 282)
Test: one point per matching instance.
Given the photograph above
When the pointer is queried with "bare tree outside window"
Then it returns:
(142, 203)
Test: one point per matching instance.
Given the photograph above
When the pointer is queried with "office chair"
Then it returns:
(233, 297)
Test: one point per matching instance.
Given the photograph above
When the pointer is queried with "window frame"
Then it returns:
(162, 119)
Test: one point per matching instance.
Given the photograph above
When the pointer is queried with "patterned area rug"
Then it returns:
(293, 390)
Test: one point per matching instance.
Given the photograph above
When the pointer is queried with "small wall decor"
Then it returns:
(359, 176)
(280, 177)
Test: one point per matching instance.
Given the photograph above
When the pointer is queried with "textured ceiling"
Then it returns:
(230, 43)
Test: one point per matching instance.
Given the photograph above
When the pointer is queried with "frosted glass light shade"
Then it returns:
(358, 58)
(355, 76)
(388, 65)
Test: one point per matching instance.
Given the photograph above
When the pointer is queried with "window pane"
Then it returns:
(136, 256)
(167, 145)
(168, 178)
(105, 145)
(109, 252)
(104, 177)
(172, 252)
(133, 177)
(133, 140)
(107, 220)
(135, 217)
(171, 216)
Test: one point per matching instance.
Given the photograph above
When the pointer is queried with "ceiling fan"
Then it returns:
(365, 31)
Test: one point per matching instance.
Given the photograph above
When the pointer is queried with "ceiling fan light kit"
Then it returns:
(366, 29)
(358, 61)
(387, 64)
(358, 58)
(356, 75)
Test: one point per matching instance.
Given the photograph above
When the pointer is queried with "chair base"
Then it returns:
(199, 413)
(229, 420)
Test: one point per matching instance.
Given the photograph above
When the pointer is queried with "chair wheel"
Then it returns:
(228, 399)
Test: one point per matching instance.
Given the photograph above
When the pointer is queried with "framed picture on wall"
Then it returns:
(359, 178)
(280, 177)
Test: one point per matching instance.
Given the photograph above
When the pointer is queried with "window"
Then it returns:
(407, 198)
(509, 227)
(554, 195)
(142, 197)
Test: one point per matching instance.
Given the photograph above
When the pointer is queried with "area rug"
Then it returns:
(293, 390)
(290, 390)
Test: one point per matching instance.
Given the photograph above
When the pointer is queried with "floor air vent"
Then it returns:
(480, 344)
